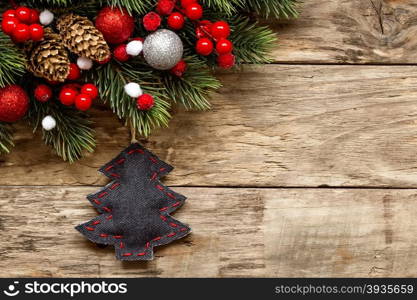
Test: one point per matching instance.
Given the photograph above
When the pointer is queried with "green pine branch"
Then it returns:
(72, 134)
(12, 62)
(6, 138)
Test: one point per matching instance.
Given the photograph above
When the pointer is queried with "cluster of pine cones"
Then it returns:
(49, 58)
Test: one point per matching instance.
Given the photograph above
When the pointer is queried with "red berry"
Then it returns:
(43, 93)
(204, 46)
(226, 61)
(105, 61)
(224, 46)
(90, 89)
(8, 25)
(220, 30)
(151, 21)
(203, 29)
(21, 33)
(67, 96)
(176, 21)
(194, 11)
(36, 32)
(23, 13)
(165, 7)
(185, 3)
(145, 102)
(179, 68)
(9, 13)
(83, 102)
(34, 16)
(74, 72)
(120, 53)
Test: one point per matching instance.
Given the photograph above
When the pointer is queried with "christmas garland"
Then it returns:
(138, 56)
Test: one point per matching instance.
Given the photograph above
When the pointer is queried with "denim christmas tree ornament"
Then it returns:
(135, 207)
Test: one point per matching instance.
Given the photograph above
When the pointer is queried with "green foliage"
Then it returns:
(6, 138)
(12, 62)
(72, 134)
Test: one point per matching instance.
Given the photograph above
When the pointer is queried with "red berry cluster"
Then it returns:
(81, 96)
(22, 24)
(212, 37)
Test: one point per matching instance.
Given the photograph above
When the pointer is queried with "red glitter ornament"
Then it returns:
(145, 102)
(179, 69)
(115, 24)
(151, 21)
(14, 103)
(165, 7)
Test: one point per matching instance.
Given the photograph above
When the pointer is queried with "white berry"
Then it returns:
(134, 48)
(48, 123)
(84, 63)
(133, 90)
(46, 17)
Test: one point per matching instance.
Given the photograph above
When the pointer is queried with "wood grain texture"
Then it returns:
(302, 126)
(350, 31)
(236, 232)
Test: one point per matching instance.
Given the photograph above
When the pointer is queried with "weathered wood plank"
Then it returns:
(280, 126)
(236, 232)
(350, 31)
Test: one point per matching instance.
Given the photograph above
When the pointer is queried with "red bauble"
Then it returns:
(203, 29)
(220, 30)
(152, 21)
(165, 7)
(176, 21)
(67, 96)
(115, 24)
(204, 46)
(43, 93)
(21, 33)
(74, 72)
(194, 11)
(9, 24)
(23, 13)
(145, 102)
(179, 68)
(9, 13)
(120, 53)
(34, 16)
(83, 102)
(224, 46)
(36, 32)
(14, 103)
(185, 3)
(226, 61)
(90, 90)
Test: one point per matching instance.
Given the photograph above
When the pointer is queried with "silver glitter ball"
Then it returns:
(163, 49)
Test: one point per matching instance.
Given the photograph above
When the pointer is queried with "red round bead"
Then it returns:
(36, 32)
(185, 3)
(34, 16)
(90, 89)
(8, 25)
(165, 7)
(220, 30)
(226, 61)
(23, 13)
(74, 72)
(9, 13)
(194, 11)
(203, 29)
(21, 33)
(179, 68)
(176, 21)
(145, 102)
(204, 46)
(43, 93)
(83, 102)
(67, 96)
(224, 46)
(152, 21)
(120, 53)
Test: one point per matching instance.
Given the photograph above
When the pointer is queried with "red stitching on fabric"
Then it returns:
(115, 185)
(102, 194)
(131, 152)
(171, 196)
(109, 217)
(122, 245)
(184, 229)
(147, 245)
(104, 235)
(176, 204)
(127, 254)
(115, 175)
(154, 175)
(163, 218)
(163, 209)
(118, 236)
(157, 239)
(159, 187)
(171, 234)
(98, 202)
(120, 161)
(108, 168)
(107, 209)
(96, 222)
(162, 169)
(173, 224)
(89, 228)
(153, 159)
(140, 151)
(142, 254)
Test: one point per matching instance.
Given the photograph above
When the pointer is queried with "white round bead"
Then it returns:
(133, 90)
(46, 17)
(134, 48)
(48, 123)
(84, 63)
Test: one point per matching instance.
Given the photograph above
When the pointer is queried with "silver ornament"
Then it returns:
(163, 49)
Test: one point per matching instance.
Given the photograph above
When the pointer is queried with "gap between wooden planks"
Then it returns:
(281, 125)
(236, 232)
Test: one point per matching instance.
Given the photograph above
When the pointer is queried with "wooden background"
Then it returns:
(305, 167)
